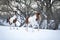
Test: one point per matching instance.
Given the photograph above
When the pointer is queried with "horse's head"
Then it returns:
(37, 16)
(27, 20)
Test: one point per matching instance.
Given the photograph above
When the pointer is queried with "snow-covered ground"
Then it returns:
(21, 34)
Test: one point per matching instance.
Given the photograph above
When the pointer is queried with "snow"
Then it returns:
(59, 26)
(1, 20)
(34, 5)
(44, 15)
(23, 5)
(12, 34)
(14, 3)
(7, 24)
(18, 12)
(44, 24)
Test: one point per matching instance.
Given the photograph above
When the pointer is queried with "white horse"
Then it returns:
(34, 20)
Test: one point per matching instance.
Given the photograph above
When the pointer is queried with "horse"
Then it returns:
(14, 20)
(32, 20)
(11, 19)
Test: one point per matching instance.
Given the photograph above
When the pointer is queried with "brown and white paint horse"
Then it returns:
(12, 20)
(35, 18)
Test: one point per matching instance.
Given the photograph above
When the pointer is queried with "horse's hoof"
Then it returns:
(38, 30)
(10, 28)
(26, 30)
(13, 28)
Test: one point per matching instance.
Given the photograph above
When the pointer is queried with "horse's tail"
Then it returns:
(27, 21)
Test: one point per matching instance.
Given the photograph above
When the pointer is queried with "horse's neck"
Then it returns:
(39, 19)
(34, 17)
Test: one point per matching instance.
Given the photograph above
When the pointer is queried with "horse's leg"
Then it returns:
(16, 26)
(38, 28)
(10, 25)
(27, 27)
(32, 28)
(38, 24)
